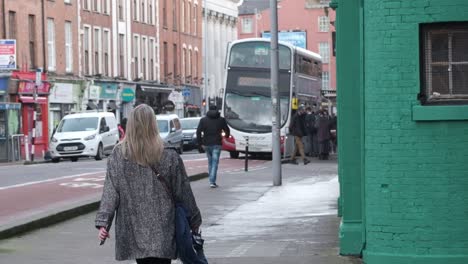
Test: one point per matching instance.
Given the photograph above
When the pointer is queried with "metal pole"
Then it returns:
(36, 85)
(246, 154)
(275, 103)
(205, 56)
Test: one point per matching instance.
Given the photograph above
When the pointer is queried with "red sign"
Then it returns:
(28, 88)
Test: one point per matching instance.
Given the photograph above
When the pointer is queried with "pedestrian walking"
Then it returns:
(145, 221)
(310, 120)
(323, 134)
(209, 136)
(297, 129)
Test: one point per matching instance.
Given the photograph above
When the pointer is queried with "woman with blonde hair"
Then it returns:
(145, 221)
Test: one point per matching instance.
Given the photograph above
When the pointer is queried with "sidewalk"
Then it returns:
(246, 220)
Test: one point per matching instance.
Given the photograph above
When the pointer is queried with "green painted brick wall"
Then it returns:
(416, 171)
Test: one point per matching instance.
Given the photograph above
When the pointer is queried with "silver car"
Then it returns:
(170, 131)
(189, 129)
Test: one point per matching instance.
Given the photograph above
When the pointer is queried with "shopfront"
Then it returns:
(23, 92)
(128, 100)
(153, 95)
(61, 103)
(9, 131)
(3, 88)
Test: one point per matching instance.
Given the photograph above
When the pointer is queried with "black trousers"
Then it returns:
(153, 261)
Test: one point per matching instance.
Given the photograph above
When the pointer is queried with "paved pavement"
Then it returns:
(246, 220)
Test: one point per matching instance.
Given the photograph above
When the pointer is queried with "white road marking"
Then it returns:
(49, 180)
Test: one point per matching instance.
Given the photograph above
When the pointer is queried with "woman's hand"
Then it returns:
(103, 234)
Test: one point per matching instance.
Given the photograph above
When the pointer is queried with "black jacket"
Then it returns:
(297, 126)
(212, 125)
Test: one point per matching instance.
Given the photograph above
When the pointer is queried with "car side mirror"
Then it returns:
(106, 129)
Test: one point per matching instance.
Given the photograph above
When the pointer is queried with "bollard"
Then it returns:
(246, 153)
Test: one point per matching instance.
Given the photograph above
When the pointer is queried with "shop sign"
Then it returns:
(8, 106)
(93, 92)
(108, 91)
(128, 94)
(7, 54)
(28, 88)
(62, 93)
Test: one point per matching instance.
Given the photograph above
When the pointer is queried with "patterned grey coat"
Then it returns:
(145, 214)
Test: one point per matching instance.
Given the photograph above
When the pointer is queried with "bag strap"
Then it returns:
(165, 184)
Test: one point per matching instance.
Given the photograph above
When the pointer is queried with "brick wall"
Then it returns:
(416, 172)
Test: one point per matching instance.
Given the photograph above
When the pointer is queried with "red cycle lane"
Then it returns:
(32, 198)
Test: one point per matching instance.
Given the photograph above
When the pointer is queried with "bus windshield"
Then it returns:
(248, 99)
(257, 55)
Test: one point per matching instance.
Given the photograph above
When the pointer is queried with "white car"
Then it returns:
(84, 135)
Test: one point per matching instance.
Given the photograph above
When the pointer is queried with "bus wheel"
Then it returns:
(234, 154)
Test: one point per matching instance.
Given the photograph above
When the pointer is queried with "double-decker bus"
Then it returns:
(247, 105)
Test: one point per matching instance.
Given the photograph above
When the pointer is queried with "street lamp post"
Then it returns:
(275, 103)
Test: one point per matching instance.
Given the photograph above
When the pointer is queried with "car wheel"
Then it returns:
(99, 153)
(234, 154)
(56, 160)
(74, 159)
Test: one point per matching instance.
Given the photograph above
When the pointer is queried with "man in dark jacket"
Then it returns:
(297, 129)
(209, 136)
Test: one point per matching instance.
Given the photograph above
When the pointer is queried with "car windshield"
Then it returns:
(189, 123)
(163, 126)
(78, 124)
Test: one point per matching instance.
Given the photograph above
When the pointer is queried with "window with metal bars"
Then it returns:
(444, 63)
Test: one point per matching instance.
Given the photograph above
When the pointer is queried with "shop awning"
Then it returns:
(155, 89)
(91, 106)
(30, 99)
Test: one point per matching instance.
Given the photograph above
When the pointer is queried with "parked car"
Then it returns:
(170, 131)
(84, 135)
(189, 129)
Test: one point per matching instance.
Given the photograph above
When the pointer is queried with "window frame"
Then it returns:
(250, 31)
(426, 89)
(324, 51)
(51, 46)
(323, 24)
(68, 36)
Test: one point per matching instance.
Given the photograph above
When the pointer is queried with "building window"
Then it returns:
(51, 44)
(190, 64)
(174, 15)
(68, 47)
(174, 56)
(150, 12)
(182, 16)
(165, 13)
(445, 63)
(105, 6)
(136, 61)
(189, 18)
(195, 19)
(143, 12)
(135, 10)
(325, 81)
(144, 56)
(184, 63)
(32, 40)
(166, 63)
(247, 26)
(87, 52)
(324, 51)
(105, 52)
(196, 64)
(86, 4)
(151, 59)
(324, 24)
(96, 5)
(12, 27)
(121, 10)
(97, 51)
(121, 55)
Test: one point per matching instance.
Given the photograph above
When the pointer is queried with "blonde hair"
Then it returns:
(142, 143)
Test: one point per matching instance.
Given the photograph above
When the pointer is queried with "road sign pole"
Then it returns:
(36, 86)
(275, 103)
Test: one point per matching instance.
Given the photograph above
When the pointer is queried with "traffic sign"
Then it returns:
(186, 92)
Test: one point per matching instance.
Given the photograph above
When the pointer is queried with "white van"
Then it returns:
(170, 131)
(92, 134)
